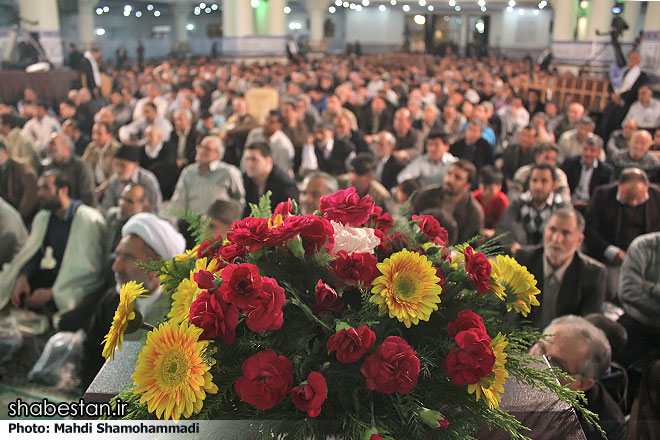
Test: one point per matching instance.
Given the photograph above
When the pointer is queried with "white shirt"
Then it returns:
(160, 103)
(428, 172)
(42, 130)
(152, 150)
(281, 148)
(647, 117)
(629, 80)
(95, 68)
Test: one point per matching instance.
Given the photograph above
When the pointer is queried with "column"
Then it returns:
(244, 18)
(631, 16)
(496, 28)
(464, 29)
(564, 20)
(600, 17)
(277, 18)
(228, 8)
(651, 23)
(42, 17)
(86, 21)
(180, 12)
(316, 10)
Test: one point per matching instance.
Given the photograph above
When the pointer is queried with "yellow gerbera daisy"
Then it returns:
(172, 372)
(408, 288)
(123, 315)
(512, 283)
(188, 290)
(491, 388)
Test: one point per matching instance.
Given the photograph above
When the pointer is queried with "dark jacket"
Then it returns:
(372, 125)
(610, 417)
(468, 213)
(19, 188)
(483, 154)
(391, 171)
(604, 218)
(281, 186)
(80, 176)
(193, 139)
(602, 174)
(336, 163)
(164, 168)
(582, 289)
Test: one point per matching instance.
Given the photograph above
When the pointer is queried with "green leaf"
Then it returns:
(262, 210)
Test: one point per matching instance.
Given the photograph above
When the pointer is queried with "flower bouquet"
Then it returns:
(343, 316)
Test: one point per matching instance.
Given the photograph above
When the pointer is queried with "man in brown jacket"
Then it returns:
(99, 154)
(18, 184)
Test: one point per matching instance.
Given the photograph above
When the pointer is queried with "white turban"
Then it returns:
(158, 234)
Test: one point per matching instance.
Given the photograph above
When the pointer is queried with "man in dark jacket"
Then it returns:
(473, 147)
(570, 282)
(261, 175)
(18, 184)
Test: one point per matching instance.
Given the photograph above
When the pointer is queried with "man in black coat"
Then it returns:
(377, 116)
(344, 132)
(570, 282)
(185, 137)
(160, 158)
(585, 172)
(389, 165)
(473, 147)
(261, 175)
(329, 153)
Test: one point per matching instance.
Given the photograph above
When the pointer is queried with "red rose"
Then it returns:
(326, 300)
(209, 247)
(310, 396)
(375, 437)
(479, 269)
(284, 209)
(443, 280)
(466, 320)
(472, 359)
(204, 279)
(358, 267)
(443, 423)
(228, 253)
(267, 379)
(432, 229)
(381, 220)
(242, 284)
(213, 315)
(394, 367)
(351, 344)
(346, 207)
(316, 233)
(264, 312)
(250, 232)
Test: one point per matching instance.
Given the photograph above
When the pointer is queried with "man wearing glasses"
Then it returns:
(581, 350)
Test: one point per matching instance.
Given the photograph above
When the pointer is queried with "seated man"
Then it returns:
(519, 154)
(639, 293)
(646, 110)
(454, 197)
(160, 158)
(491, 198)
(77, 172)
(362, 175)
(13, 233)
(389, 165)
(62, 261)
(128, 170)
(316, 185)
(133, 133)
(570, 282)
(280, 145)
(582, 351)
(585, 172)
(20, 145)
(262, 175)
(543, 153)
(222, 214)
(208, 179)
(99, 154)
(638, 155)
(134, 199)
(325, 152)
(409, 140)
(144, 237)
(525, 216)
(616, 214)
(620, 139)
(570, 143)
(473, 147)
(18, 184)
(431, 167)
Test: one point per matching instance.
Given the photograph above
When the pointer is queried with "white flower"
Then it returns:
(350, 239)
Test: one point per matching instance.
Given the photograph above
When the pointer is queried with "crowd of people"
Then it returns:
(92, 183)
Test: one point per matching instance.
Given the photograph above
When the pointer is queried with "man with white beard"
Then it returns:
(570, 282)
(144, 237)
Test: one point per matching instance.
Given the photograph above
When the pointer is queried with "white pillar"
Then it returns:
(651, 23)
(243, 17)
(564, 20)
(276, 17)
(316, 9)
(630, 14)
(180, 12)
(496, 28)
(600, 17)
(464, 30)
(86, 21)
(228, 8)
